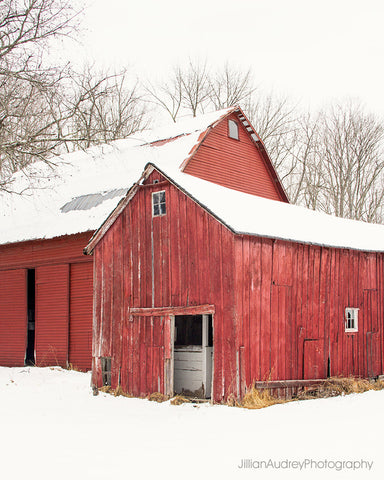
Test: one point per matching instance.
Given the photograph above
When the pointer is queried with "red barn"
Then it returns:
(205, 287)
(46, 284)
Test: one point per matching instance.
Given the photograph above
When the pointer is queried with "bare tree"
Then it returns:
(104, 107)
(352, 151)
(45, 109)
(26, 86)
(230, 86)
(339, 163)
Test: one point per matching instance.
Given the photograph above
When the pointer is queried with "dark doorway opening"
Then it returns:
(31, 295)
(193, 355)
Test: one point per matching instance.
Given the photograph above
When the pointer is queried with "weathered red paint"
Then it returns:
(279, 305)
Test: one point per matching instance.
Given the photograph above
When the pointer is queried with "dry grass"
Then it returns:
(340, 386)
(117, 392)
(179, 400)
(255, 398)
(72, 367)
(260, 398)
(157, 397)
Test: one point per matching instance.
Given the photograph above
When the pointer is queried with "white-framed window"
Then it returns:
(351, 319)
(233, 129)
(158, 204)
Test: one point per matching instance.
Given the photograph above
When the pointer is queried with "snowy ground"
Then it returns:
(52, 427)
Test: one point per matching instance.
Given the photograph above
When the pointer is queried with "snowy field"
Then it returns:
(52, 427)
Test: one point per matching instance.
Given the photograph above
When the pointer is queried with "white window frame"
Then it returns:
(159, 203)
(352, 314)
(231, 132)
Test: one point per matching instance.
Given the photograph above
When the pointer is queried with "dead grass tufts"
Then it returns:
(117, 392)
(157, 397)
(336, 386)
(254, 399)
(179, 400)
(72, 367)
(106, 389)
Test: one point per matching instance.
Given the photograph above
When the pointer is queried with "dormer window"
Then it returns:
(233, 129)
(158, 204)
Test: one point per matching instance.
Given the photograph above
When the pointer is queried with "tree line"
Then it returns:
(329, 160)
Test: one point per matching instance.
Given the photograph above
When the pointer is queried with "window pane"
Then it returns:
(162, 209)
(156, 209)
(162, 196)
(233, 130)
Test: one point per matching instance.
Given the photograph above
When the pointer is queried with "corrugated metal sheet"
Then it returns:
(13, 317)
(86, 202)
(80, 318)
(52, 314)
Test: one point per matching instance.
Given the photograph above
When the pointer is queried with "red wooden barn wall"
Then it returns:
(279, 306)
(235, 164)
(64, 291)
(290, 304)
(13, 317)
(192, 265)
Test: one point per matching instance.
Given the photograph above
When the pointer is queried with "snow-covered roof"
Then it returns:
(249, 214)
(78, 191)
(81, 191)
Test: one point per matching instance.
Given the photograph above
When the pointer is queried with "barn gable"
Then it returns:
(239, 162)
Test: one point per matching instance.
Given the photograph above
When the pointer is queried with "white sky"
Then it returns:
(313, 51)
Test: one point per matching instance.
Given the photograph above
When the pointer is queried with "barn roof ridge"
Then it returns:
(300, 225)
(86, 186)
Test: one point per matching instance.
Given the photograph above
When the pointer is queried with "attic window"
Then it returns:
(158, 204)
(233, 129)
(351, 319)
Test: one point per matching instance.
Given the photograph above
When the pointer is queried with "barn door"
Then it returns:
(373, 347)
(52, 312)
(281, 333)
(80, 320)
(150, 355)
(13, 317)
(313, 361)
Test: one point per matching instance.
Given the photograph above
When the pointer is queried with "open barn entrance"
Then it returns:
(31, 289)
(193, 355)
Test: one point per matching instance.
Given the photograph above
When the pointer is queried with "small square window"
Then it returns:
(233, 129)
(351, 319)
(158, 204)
(106, 370)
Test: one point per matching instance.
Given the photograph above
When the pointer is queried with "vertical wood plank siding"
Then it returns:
(279, 306)
(163, 261)
(235, 164)
(302, 302)
(13, 317)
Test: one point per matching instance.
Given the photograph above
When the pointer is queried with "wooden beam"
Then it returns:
(161, 311)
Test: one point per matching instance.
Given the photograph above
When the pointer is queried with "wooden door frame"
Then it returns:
(169, 314)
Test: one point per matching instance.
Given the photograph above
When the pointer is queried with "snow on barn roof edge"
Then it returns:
(270, 218)
(86, 186)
